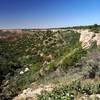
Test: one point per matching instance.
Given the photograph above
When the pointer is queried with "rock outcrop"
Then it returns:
(87, 38)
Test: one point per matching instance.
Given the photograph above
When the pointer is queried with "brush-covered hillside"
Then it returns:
(49, 64)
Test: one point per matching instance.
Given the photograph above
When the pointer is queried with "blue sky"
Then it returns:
(48, 13)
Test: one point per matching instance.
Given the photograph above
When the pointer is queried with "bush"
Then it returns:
(95, 28)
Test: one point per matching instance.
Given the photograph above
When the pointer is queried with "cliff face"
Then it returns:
(10, 34)
(12, 30)
(87, 38)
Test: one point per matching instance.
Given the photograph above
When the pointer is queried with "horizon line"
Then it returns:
(45, 28)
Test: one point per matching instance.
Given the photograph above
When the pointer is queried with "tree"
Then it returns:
(95, 28)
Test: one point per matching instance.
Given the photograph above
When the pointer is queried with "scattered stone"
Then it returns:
(26, 70)
(41, 54)
(21, 72)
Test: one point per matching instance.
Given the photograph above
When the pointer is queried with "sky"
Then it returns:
(48, 13)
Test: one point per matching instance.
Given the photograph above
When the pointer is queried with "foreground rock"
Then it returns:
(90, 97)
(31, 94)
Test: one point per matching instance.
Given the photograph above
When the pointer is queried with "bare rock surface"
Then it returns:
(31, 94)
(87, 38)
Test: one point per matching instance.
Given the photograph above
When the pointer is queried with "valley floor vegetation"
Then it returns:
(33, 55)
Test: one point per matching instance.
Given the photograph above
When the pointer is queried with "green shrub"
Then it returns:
(69, 92)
